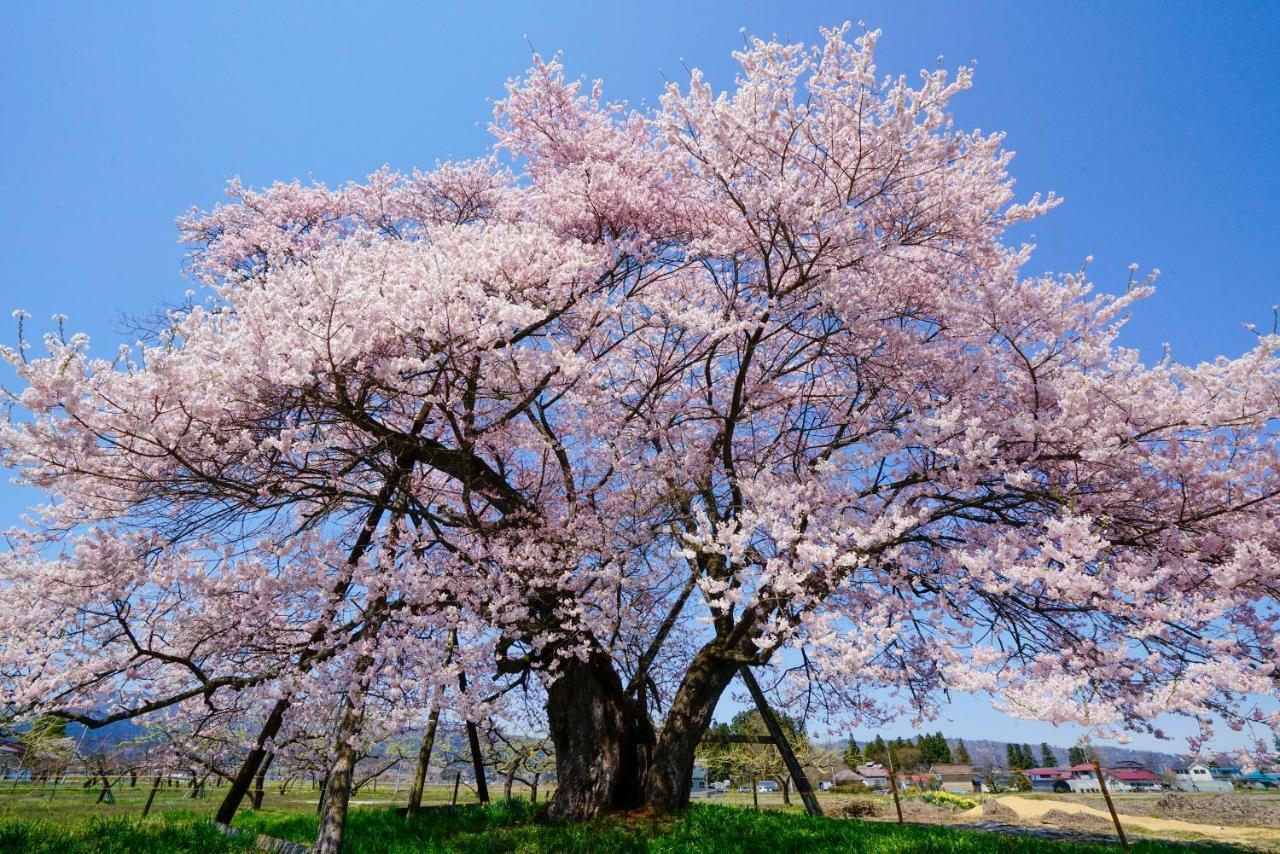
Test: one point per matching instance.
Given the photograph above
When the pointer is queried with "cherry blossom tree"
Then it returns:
(751, 378)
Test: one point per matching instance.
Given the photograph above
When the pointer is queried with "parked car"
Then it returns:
(766, 786)
(742, 790)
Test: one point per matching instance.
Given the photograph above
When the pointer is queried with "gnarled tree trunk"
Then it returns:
(601, 740)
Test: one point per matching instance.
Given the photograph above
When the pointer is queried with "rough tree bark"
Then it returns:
(244, 778)
(424, 760)
(337, 791)
(601, 740)
(670, 771)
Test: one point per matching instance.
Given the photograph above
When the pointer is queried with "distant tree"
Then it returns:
(853, 755)
(933, 748)
(1047, 759)
(962, 753)
(1076, 756)
(876, 751)
(718, 758)
(906, 756)
(1013, 757)
(1028, 758)
(944, 749)
(48, 748)
(1022, 782)
(739, 760)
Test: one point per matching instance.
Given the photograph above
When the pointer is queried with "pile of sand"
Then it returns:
(994, 810)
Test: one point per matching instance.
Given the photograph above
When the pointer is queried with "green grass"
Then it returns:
(512, 826)
(515, 826)
(162, 835)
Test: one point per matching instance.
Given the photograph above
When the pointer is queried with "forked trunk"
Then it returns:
(600, 740)
(670, 771)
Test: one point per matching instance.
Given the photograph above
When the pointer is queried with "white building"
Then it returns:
(1197, 778)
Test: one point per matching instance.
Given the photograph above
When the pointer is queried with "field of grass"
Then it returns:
(71, 801)
(515, 826)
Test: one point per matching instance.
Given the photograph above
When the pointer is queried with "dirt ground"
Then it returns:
(1245, 810)
(1249, 819)
(1075, 814)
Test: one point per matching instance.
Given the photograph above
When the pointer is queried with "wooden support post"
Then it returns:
(1106, 796)
(893, 782)
(151, 796)
(784, 747)
(755, 792)
(457, 781)
(477, 762)
(473, 738)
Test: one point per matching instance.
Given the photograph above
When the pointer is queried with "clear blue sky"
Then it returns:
(1158, 123)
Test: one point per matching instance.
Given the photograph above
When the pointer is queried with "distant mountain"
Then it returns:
(984, 752)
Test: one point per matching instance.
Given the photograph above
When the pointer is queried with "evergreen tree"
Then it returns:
(1075, 756)
(852, 755)
(962, 753)
(1012, 757)
(944, 749)
(1046, 755)
(1028, 758)
(876, 751)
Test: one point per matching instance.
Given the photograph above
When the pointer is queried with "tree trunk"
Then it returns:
(244, 778)
(600, 740)
(533, 788)
(337, 792)
(424, 760)
(670, 772)
(506, 788)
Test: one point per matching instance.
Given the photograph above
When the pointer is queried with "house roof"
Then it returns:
(1047, 772)
(1126, 775)
(873, 770)
(1083, 766)
(956, 768)
(12, 747)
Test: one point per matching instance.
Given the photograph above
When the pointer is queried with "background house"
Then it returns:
(1196, 777)
(875, 775)
(845, 777)
(698, 788)
(1137, 779)
(11, 756)
(953, 777)
(1049, 779)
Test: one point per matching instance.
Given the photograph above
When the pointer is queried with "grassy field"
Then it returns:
(68, 820)
(71, 801)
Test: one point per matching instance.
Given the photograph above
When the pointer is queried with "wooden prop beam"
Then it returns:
(780, 741)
